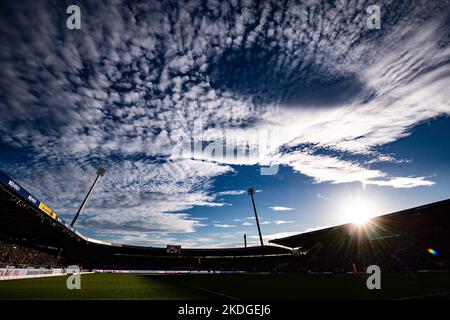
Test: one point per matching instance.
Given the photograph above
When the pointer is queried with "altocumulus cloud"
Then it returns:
(138, 75)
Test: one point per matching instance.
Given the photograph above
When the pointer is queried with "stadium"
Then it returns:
(251, 150)
(410, 247)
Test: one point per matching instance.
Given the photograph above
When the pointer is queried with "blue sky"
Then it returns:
(339, 113)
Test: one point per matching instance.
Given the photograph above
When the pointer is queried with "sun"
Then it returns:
(357, 211)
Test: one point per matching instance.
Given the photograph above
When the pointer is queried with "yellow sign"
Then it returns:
(47, 210)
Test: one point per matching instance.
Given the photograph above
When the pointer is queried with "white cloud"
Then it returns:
(403, 182)
(282, 221)
(331, 169)
(121, 200)
(232, 193)
(224, 226)
(91, 124)
(279, 208)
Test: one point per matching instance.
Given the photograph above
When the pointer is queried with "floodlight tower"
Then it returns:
(100, 173)
(251, 192)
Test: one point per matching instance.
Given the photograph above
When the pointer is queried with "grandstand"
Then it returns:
(30, 223)
(399, 241)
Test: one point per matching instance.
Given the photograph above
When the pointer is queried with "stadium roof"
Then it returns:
(390, 225)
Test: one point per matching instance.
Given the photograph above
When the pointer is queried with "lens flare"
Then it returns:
(357, 210)
(432, 251)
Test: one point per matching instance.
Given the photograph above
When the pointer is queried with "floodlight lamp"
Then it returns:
(101, 171)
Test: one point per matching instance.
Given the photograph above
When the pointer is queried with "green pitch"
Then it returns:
(232, 286)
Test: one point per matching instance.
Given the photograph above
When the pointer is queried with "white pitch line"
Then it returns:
(210, 291)
(424, 296)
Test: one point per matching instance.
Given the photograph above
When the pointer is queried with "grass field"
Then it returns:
(231, 286)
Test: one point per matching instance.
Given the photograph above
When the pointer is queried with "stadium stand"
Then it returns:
(27, 222)
(14, 255)
(32, 234)
(401, 241)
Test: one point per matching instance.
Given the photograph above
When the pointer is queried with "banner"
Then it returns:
(7, 181)
(24, 194)
(21, 273)
(47, 210)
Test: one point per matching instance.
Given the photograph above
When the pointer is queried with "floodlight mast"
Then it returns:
(251, 192)
(100, 173)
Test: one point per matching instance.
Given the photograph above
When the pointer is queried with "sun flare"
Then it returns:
(357, 211)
